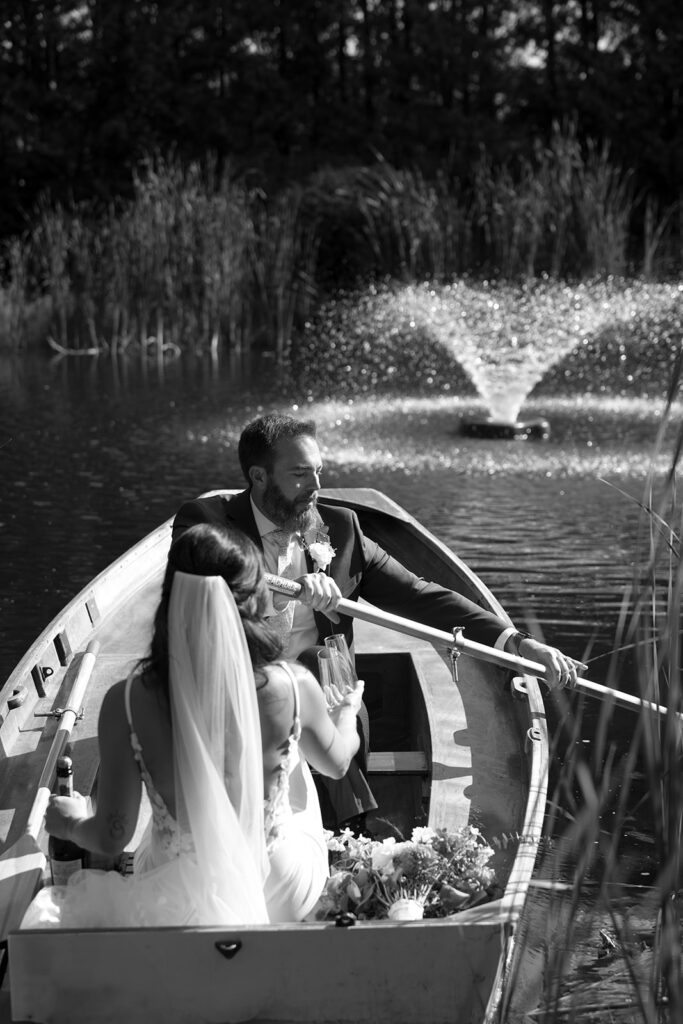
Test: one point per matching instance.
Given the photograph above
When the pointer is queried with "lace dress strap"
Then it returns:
(166, 830)
(276, 807)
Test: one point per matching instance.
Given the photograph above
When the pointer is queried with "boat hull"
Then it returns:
(372, 972)
(471, 752)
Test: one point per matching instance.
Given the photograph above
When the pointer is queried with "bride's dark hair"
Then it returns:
(207, 550)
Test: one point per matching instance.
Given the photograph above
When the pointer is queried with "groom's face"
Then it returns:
(290, 489)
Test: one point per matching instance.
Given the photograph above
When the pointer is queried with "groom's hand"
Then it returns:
(560, 670)
(320, 593)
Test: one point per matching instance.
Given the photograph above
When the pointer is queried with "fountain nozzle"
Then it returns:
(493, 429)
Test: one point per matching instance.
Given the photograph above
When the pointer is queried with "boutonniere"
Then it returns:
(317, 542)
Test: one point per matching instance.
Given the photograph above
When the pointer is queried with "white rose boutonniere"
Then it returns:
(322, 554)
(316, 541)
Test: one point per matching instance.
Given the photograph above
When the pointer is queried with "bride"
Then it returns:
(220, 732)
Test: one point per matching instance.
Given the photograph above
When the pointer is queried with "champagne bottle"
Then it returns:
(66, 857)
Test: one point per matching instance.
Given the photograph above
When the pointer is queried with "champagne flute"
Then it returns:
(342, 668)
(333, 696)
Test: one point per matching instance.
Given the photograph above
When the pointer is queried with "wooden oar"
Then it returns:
(369, 613)
(23, 864)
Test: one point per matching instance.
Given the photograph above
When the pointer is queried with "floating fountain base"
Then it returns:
(534, 430)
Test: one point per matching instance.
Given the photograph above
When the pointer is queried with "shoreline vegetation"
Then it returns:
(612, 876)
(197, 261)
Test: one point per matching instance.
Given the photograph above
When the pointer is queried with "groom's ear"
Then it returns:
(257, 474)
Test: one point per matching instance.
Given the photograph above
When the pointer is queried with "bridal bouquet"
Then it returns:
(434, 874)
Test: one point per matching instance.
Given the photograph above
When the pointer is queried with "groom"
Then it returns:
(323, 548)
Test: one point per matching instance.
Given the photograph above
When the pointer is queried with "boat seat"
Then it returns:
(397, 762)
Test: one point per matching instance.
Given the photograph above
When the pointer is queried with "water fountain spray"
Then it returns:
(507, 339)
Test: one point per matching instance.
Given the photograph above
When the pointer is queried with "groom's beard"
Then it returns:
(296, 516)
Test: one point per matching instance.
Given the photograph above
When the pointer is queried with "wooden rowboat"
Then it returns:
(443, 754)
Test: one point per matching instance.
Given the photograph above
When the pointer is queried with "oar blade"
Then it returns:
(21, 871)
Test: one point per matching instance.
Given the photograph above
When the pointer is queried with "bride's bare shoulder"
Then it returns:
(274, 684)
(114, 698)
(270, 679)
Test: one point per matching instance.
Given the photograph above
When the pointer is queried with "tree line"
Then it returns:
(282, 88)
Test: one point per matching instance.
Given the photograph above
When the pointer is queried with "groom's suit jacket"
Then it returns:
(360, 568)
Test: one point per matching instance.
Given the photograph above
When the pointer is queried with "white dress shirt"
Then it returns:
(304, 630)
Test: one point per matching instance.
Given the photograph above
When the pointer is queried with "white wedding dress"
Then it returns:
(295, 840)
(229, 857)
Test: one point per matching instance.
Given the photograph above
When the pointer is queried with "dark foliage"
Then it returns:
(87, 90)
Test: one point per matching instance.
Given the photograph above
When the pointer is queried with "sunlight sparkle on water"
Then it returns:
(416, 435)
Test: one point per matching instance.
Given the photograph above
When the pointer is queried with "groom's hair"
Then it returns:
(258, 439)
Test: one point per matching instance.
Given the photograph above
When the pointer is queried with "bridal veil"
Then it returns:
(218, 766)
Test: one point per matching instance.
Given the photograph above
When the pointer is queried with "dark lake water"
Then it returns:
(95, 453)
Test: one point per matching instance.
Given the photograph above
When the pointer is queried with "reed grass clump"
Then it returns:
(376, 222)
(283, 260)
(567, 211)
(631, 907)
(196, 259)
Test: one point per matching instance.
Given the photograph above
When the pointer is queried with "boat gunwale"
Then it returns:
(46, 637)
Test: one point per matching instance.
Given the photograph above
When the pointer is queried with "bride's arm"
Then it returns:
(328, 743)
(112, 825)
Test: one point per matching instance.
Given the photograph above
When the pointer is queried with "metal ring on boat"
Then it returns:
(228, 949)
(518, 688)
(19, 695)
(345, 920)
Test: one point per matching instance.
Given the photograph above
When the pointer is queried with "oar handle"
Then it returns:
(369, 613)
(513, 662)
(66, 724)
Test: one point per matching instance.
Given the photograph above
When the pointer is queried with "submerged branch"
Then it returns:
(64, 351)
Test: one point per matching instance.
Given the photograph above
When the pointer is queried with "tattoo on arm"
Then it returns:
(118, 822)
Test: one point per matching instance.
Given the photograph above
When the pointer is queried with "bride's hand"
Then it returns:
(336, 700)
(62, 814)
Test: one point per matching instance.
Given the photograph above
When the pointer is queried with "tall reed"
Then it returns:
(13, 305)
(181, 267)
(605, 201)
(510, 209)
(381, 222)
(656, 227)
(414, 228)
(618, 790)
(564, 211)
(282, 262)
(193, 260)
